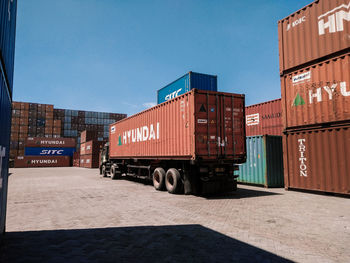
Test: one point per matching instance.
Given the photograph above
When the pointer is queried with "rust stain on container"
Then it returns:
(317, 94)
(264, 118)
(318, 159)
(197, 124)
(315, 31)
(49, 142)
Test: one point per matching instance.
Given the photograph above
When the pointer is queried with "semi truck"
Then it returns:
(191, 144)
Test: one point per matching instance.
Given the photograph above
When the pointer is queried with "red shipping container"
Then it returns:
(264, 118)
(92, 147)
(88, 135)
(317, 94)
(41, 161)
(89, 161)
(50, 142)
(196, 125)
(320, 29)
(318, 159)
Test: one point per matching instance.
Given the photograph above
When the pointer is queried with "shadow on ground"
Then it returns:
(240, 193)
(180, 243)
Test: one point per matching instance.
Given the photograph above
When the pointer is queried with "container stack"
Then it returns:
(314, 52)
(46, 152)
(264, 165)
(90, 149)
(43, 120)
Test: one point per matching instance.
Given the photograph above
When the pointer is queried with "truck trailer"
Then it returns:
(191, 144)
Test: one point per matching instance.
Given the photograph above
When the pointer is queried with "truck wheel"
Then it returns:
(173, 181)
(159, 179)
(104, 172)
(115, 174)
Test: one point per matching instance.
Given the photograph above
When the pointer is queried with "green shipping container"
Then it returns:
(264, 164)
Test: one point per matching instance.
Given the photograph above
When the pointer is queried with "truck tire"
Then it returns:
(103, 171)
(173, 181)
(159, 179)
(115, 174)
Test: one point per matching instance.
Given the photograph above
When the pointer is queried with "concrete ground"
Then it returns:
(74, 215)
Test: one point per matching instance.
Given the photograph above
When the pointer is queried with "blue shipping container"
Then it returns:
(52, 151)
(187, 82)
(8, 11)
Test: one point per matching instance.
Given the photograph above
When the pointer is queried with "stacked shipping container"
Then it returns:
(8, 13)
(43, 120)
(314, 52)
(46, 152)
(90, 149)
(264, 128)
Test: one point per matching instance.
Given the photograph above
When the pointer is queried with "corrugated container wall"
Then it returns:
(8, 12)
(189, 81)
(317, 94)
(314, 32)
(49, 142)
(264, 118)
(7, 37)
(264, 164)
(318, 159)
(198, 124)
(42, 161)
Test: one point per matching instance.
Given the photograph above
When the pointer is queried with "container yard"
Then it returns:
(222, 153)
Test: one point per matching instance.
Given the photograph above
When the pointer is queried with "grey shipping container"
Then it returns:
(187, 82)
(7, 46)
(264, 164)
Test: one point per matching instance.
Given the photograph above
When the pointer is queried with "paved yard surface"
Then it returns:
(74, 215)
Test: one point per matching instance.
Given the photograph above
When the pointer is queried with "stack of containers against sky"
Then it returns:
(90, 149)
(8, 12)
(264, 165)
(46, 152)
(314, 53)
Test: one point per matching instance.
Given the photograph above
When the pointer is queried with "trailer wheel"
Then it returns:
(173, 181)
(115, 174)
(103, 171)
(159, 179)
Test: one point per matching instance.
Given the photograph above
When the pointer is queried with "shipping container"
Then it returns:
(315, 32)
(264, 118)
(42, 161)
(189, 81)
(88, 135)
(318, 159)
(50, 142)
(8, 13)
(264, 164)
(317, 94)
(89, 161)
(199, 124)
(91, 147)
(49, 151)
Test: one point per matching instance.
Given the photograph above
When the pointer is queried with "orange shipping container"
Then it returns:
(264, 118)
(318, 30)
(196, 125)
(318, 159)
(317, 94)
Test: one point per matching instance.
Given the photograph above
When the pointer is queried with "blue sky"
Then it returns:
(111, 55)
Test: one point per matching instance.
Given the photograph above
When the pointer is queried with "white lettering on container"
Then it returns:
(335, 21)
(302, 158)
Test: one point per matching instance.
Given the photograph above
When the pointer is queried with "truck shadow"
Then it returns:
(241, 193)
(178, 243)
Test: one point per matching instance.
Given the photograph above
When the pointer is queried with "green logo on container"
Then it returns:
(120, 141)
(298, 100)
